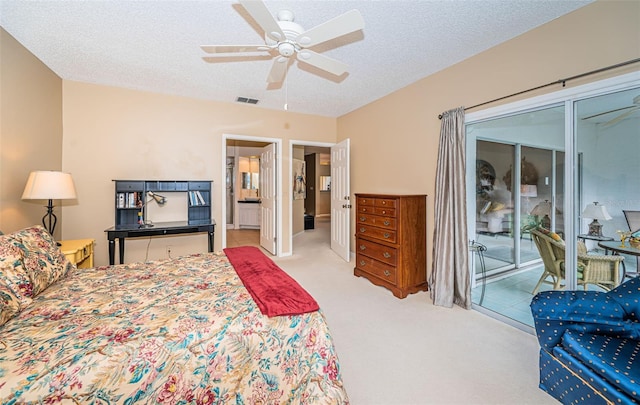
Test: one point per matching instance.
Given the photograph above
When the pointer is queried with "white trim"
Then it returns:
(292, 143)
(223, 190)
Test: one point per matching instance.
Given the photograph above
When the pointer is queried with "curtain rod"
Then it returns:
(561, 81)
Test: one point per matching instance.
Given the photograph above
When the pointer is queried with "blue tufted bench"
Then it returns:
(590, 344)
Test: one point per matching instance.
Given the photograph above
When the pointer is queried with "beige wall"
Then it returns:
(30, 131)
(394, 140)
(112, 133)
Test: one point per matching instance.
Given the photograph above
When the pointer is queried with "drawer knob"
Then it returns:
(387, 273)
(384, 203)
(362, 230)
(362, 263)
(386, 235)
(387, 223)
(362, 219)
(384, 212)
(363, 247)
(386, 255)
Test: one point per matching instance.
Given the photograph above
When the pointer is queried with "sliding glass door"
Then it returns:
(567, 162)
(518, 187)
(608, 141)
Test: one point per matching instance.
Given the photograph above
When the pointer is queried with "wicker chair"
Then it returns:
(603, 271)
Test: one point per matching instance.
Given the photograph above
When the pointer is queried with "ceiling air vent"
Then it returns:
(247, 100)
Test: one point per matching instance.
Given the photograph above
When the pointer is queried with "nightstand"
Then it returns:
(79, 252)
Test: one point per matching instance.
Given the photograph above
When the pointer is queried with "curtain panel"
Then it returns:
(449, 280)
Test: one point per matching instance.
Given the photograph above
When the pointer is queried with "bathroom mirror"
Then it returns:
(250, 181)
(325, 183)
(250, 172)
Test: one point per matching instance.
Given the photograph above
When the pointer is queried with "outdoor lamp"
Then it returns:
(542, 210)
(596, 211)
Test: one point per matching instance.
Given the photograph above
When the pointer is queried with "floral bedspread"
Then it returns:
(176, 331)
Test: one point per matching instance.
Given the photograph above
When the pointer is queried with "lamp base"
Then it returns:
(595, 228)
(546, 222)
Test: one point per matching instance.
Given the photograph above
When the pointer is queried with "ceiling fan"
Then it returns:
(286, 40)
(628, 110)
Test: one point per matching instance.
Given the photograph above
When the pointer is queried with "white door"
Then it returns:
(340, 200)
(268, 198)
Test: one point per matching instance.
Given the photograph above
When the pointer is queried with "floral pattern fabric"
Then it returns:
(44, 262)
(12, 271)
(10, 304)
(178, 331)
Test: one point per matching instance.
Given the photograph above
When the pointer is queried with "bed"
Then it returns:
(176, 331)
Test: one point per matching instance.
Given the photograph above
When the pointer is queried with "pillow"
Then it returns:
(628, 295)
(552, 235)
(44, 262)
(10, 304)
(12, 271)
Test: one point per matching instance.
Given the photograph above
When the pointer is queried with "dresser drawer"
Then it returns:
(376, 268)
(374, 232)
(382, 222)
(385, 202)
(387, 212)
(376, 251)
(365, 201)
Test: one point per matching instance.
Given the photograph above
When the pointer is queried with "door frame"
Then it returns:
(292, 143)
(223, 189)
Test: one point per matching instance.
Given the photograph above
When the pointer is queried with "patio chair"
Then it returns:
(603, 271)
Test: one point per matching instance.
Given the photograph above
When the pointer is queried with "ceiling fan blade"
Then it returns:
(621, 116)
(234, 48)
(320, 61)
(264, 18)
(278, 70)
(607, 112)
(341, 25)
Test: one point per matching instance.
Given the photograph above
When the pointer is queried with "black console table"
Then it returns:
(122, 232)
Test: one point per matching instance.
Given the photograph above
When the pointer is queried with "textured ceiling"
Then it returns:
(155, 45)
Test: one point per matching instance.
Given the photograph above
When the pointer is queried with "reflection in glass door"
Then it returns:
(519, 172)
(494, 204)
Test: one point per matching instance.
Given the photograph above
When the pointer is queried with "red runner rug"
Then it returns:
(273, 290)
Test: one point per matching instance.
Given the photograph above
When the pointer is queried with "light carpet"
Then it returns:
(408, 351)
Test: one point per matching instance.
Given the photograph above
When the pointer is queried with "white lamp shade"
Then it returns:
(543, 208)
(49, 185)
(596, 211)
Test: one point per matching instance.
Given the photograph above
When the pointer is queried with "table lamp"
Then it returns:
(596, 211)
(49, 185)
(542, 210)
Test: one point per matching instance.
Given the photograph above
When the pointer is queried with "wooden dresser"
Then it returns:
(391, 241)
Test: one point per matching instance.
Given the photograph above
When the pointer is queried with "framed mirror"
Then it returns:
(250, 172)
(325, 183)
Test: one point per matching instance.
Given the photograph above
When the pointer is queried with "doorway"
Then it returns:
(242, 208)
(314, 209)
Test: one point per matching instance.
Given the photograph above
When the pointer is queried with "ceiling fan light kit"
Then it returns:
(291, 41)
